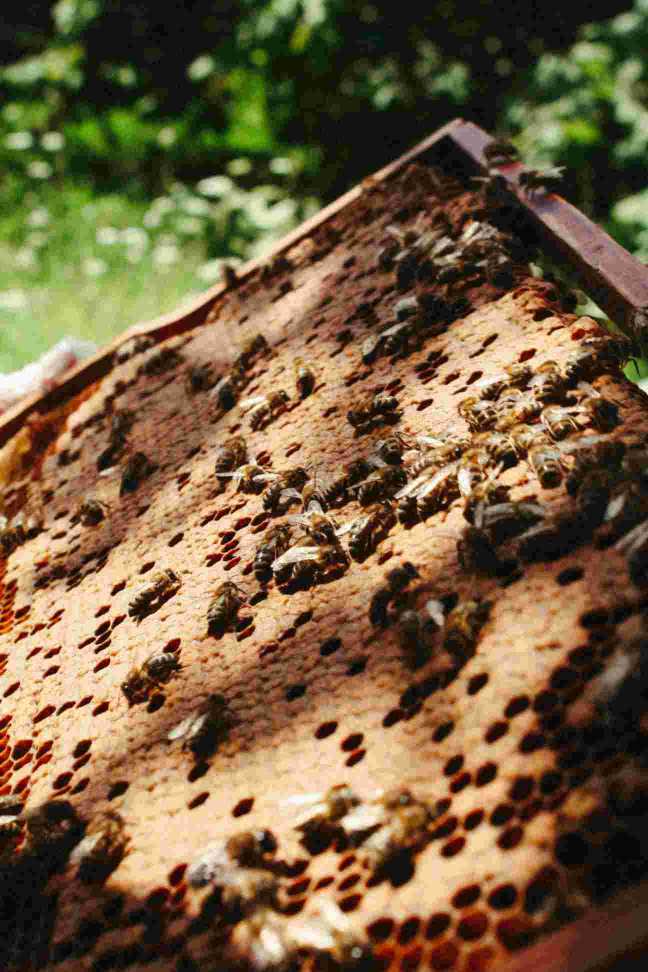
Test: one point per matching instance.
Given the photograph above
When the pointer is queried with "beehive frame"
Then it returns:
(619, 284)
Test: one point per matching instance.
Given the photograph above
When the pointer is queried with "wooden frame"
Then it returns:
(619, 284)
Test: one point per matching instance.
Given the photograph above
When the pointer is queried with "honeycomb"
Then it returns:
(497, 691)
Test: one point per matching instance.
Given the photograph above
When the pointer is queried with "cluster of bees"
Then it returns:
(16, 531)
(52, 833)
(442, 625)
(502, 152)
(244, 870)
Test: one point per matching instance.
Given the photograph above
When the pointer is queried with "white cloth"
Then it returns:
(41, 375)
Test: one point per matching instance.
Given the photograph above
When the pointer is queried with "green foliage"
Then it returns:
(141, 145)
(587, 109)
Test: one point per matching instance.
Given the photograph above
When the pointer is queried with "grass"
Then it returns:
(75, 265)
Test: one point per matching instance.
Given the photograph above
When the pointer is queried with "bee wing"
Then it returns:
(351, 525)
(295, 555)
(434, 481)
(333, 916)
(267, 477)
(412, 488)
(312, 933)
(436, 611)
(206, 867)
(429, 442)
(247, 403)
(632, 539)
(395, 232)
(182, 729)
(364, 817)
(394, 329)
(289, 493)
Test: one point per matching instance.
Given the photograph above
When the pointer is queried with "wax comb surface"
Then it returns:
(319, 623)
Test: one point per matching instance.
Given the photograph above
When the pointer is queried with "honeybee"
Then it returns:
(560, 422)
(547, 383)
(306, 564)
(265, 409)
(135, 345)
(516, 408)
(415, 629)
(243, 889)
(501, 448)
(164, 584)
(321, 813)
(102, 849)
(202, 732)
(532, 180)
(200, 379)
(526, 437)
(120, 426)
(476, 552)
(500, 152)
(138, 467)
(304, 378)
(439, 452)
(262, 942)
(380, 407)
(624, 510)
(368, 531)
(253, 347)
(370, 348)
(226, 391)
(250, 848)
(428, 494)
(285, 489)
(503, 521)
(11, 831)
(380, 484)
(478, 413)
(513, 376)
(471, 470)
(11, 805)
(315, 495)
(229, 275)
(158, 669)
(551, 539)
(391, 449)
(163, 360)
(230, 455)
(396, 582)
(92, 512)
(462, 628)
(494, 187)
(595, 356)
(319, 526)
(602, 413)
(395, 339)
(53, 829)
(12, 535)
(546, 462)
(279, 264)
(593, 499)
(223, 610)
(352, 474)
(590, 452)
(331, 936)
(403, 829)
(275, 542)
(488, 492)
(634, 547)
(109, 456)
